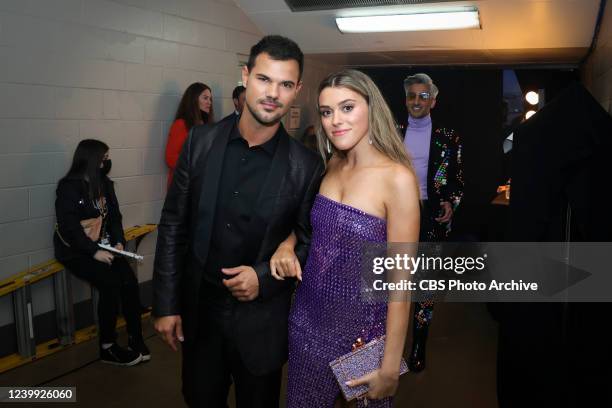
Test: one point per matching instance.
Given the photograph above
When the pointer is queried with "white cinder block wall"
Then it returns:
(111, 70)
(597, 72)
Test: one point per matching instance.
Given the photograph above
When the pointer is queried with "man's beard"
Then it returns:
(266, 122)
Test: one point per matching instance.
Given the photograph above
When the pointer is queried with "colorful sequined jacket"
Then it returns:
(445, 170)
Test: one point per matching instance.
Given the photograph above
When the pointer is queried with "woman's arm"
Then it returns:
(403, 219)
(284, 262)
(115, 218)
(70, 205)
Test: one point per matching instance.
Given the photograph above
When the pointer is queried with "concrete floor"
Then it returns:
(460, 371)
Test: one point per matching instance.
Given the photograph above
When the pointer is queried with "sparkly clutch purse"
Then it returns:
(364, 359)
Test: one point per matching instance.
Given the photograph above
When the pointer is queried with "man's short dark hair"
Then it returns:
(237, 91)
(278, 48)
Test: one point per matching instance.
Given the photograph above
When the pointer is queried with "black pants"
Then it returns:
(430, 231)
(115, 283)
(211, 361)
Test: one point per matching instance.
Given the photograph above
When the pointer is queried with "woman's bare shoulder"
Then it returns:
(400, 180)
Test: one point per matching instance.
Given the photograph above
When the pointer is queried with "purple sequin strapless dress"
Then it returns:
(328, 313)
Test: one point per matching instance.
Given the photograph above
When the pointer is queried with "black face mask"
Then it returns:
(106, 166)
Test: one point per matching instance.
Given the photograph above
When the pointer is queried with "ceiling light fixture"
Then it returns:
(445, 20)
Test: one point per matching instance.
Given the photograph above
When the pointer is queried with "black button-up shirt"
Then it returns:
(242, 178)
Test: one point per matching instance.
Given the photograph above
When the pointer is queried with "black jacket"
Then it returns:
(186, 225)
(72, 205)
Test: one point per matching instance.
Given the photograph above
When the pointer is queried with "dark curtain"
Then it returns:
(558, 354)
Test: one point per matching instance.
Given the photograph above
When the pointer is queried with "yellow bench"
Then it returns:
(19, 286)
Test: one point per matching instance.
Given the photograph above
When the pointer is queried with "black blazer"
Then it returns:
(72, 204)
(185, 230)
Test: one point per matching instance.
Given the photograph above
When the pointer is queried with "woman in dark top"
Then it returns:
(86, 193)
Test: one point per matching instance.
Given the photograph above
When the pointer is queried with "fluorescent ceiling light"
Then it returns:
(450, 20)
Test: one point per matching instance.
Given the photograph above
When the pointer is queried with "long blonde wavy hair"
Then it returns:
(382, 129)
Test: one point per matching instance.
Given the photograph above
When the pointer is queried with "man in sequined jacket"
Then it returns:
(436, 155)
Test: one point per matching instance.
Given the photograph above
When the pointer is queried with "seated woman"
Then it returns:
(194, 109)
(87, 213)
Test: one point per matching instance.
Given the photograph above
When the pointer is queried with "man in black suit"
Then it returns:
(238, 97)
(240, 187)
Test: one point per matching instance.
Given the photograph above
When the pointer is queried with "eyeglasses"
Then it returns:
(425, 96)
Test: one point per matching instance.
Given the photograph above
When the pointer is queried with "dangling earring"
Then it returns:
(328, 147)
(369, 140)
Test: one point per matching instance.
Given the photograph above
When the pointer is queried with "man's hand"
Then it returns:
(171, 329)
(244, 284)
(119, 246)
(447, 212)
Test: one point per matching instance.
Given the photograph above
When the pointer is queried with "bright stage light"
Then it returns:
(532, 98)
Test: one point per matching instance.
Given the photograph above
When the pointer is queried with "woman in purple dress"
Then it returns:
(369, 194)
